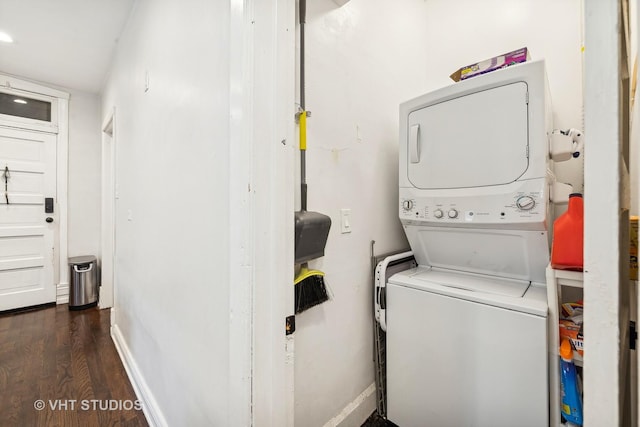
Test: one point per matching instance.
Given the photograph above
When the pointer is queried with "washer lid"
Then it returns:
(511, 294)
(471, 282)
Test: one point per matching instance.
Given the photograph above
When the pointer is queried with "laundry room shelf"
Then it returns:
(569, 278)
(556, 280)
(572, 279)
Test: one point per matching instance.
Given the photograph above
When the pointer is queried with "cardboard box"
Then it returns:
(573, 311)
(633, 248)
(573, 332)
(488, 65)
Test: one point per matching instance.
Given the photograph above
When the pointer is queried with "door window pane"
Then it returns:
(16, 105)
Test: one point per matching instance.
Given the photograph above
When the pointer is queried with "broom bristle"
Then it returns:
(310, 292)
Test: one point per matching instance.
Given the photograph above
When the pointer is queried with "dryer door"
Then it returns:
(475, 140)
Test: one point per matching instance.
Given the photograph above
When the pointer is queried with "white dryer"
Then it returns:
(467, 329)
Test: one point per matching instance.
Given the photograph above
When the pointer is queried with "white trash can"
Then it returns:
(83, 284)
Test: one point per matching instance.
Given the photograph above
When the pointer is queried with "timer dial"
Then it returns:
(407, 205)
(525, 203)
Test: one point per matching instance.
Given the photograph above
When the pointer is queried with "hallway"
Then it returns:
(65, 363)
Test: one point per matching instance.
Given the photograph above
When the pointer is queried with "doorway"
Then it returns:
(108, 208)
(33, 206)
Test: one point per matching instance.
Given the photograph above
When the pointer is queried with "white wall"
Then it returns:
(363, 60)
(172, 217)
(356, 59)
(84, 174)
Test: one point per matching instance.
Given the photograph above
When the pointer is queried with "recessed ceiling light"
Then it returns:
(4, 37)
(19, 101)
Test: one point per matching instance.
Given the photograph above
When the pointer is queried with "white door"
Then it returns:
(474, 140)
(28, 172)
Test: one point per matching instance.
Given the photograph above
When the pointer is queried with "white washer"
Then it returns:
(465, 351)
(467, 329)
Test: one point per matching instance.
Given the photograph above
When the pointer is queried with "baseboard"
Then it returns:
(150, 406)
(356, 412)
(62, 293)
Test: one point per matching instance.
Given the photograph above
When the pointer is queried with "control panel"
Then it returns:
(526, 206)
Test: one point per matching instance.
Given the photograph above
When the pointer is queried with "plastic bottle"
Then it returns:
(568, 236)
(571, 396)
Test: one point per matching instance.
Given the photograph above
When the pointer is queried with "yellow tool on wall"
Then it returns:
(303, 130)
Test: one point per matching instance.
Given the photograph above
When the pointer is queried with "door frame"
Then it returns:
(263, 147)
(606, 215)
(108, 233)
(61, 128)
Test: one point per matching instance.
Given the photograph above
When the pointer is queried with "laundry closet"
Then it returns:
(378, 83)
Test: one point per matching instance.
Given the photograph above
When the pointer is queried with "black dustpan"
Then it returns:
(312, 230)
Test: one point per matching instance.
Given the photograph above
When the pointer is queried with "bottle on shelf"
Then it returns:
(568, 236)
(571, 395)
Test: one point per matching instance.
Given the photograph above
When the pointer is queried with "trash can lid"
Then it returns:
(81, 259)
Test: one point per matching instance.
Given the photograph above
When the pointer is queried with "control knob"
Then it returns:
(452, 213)
(438, 213)
(407, 205)
(525, 203)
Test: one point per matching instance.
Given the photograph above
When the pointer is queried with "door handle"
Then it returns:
(49, 219)
(6, 177)
(414, 144)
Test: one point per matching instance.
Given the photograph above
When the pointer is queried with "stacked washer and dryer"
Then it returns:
(467, 330)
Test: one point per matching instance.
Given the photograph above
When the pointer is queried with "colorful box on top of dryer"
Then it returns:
(492, 64)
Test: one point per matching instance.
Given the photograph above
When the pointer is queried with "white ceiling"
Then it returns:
(67, 43)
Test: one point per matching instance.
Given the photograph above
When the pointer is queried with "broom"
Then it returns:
(312, 228)
(310, 288)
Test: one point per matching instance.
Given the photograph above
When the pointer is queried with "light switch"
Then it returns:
(345, 220)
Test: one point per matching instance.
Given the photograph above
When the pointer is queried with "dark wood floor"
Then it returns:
(53, 357)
